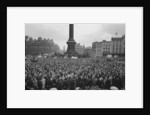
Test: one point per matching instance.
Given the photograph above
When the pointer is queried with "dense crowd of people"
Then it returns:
(71, 74)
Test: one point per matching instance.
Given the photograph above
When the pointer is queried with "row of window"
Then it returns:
(106, 52)
(118, 52)
(106, 48)
(110, 52)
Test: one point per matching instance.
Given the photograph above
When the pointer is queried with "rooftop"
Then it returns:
(118, 38)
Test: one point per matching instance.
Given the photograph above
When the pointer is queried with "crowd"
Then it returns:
(72, 74)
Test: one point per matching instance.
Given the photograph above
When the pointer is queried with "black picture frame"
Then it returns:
(106, 3)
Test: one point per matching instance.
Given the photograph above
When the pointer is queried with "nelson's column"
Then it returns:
(71, 42)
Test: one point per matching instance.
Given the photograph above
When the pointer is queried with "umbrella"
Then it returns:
(77, 88)
(113, 88)
(53, 88)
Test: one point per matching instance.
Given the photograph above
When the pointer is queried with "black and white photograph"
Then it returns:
(75, 56)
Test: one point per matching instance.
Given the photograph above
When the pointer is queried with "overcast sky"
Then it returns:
(84, 34)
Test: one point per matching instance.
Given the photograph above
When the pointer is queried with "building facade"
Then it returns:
(39, 46)
(106, 47)
(97, 49)
(118, 45)
(79, 49)
(114, 47)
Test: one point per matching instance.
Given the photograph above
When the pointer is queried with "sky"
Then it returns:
(85, 34)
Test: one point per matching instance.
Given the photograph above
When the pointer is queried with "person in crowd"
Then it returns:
(68, 74)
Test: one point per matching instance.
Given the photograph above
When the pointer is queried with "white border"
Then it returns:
(17, 97)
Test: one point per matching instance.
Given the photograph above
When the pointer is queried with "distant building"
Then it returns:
(118, 45)
(102, 48)
(97, 49)
(79, 49)
(39, 46)
(88, 51)
(106, 47)
(114, 47)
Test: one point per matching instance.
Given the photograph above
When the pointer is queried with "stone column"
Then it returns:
(71, 42)
(71, 32)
